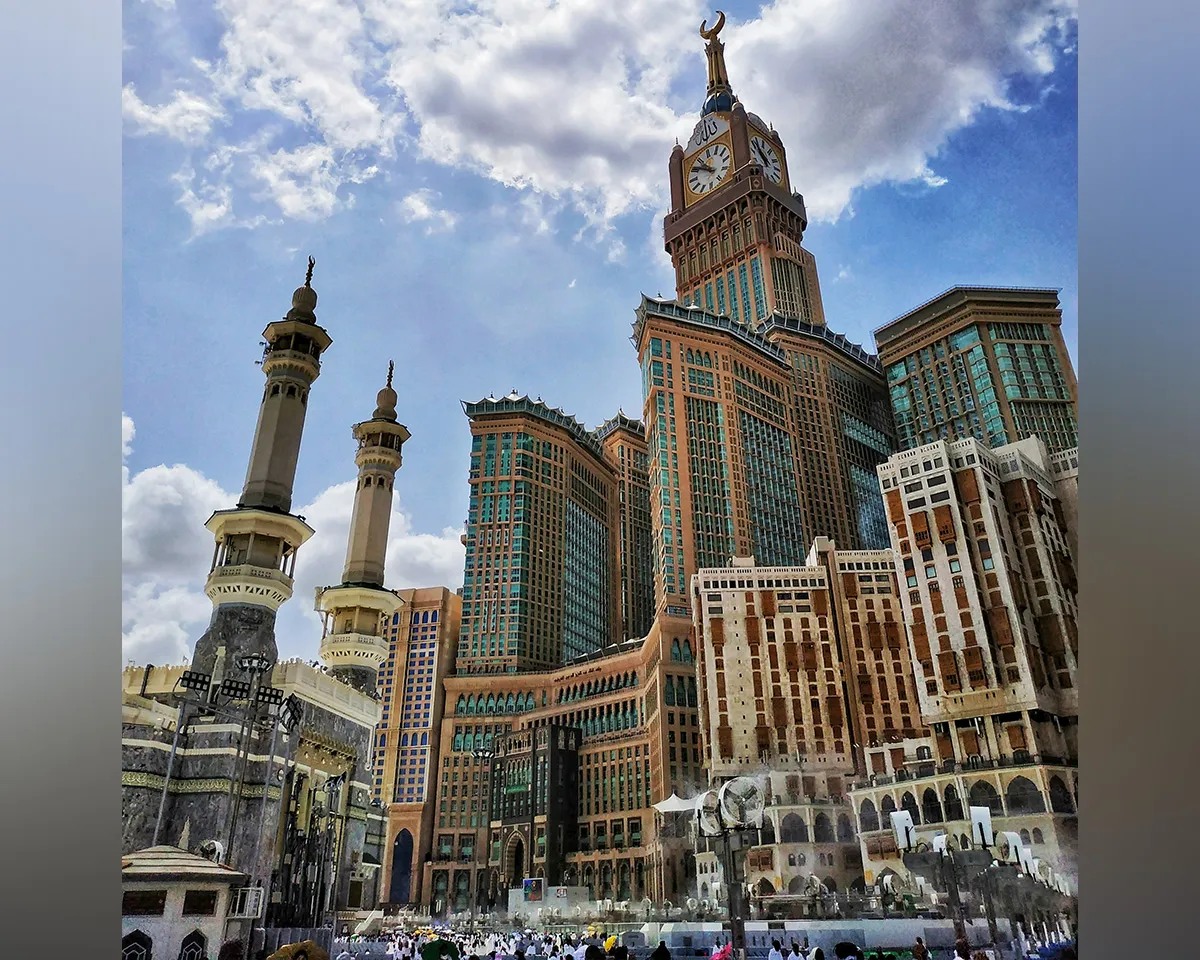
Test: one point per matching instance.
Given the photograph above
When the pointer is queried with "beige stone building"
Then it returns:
(989, 592)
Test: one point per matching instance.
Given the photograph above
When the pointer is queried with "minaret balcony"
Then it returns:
(283, 526)
(258, 586)
(353, 650)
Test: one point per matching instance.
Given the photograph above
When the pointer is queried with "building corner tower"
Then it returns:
(256, 542)
(354, 642)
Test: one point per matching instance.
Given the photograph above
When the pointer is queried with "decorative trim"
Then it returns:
(152, 781)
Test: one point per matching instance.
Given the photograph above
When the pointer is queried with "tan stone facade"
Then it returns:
(989, 591)
(636, 707)
(983, 362)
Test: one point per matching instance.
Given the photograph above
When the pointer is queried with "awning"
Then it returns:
(675, 804)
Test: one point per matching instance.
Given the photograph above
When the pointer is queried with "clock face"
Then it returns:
(764, 153)
(709, 168)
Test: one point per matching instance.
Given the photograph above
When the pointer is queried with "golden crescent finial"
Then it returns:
(712, 34)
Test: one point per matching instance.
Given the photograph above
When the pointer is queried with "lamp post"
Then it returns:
(484, 755)
(255, 664)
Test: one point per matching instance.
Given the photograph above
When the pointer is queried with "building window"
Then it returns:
(200, 903)
(143, 903)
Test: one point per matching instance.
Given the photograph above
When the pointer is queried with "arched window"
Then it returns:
(845, 829)
(194, 947)
(908, 802)
(687, 651)
(471, 703)
(822, 829)
(404, 739)
(136, 946)
(424, 739)
(676, 654)
(868, 816)
(510, 704)
(1060, 797)
(983, 794)
(433, 617)
(931, 809)
(461, 705)
(1022, 796)
(793, 829)
(458, 741)
(768, 831)
(491, 703)
(669, 692)
(1037, 835)
(1024, 834)
(887, 806)
(691, 691)
(425, 617)
(924, 753)
(954, 807)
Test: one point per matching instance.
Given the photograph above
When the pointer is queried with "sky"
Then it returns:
(482, 185)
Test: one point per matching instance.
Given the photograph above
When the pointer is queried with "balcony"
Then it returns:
(972, 765)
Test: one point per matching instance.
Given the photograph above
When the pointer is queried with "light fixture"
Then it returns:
(255, 663)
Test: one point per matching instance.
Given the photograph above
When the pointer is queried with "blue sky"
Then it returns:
(482, 186)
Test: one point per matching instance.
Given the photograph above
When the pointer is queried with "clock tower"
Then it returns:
(735, 226)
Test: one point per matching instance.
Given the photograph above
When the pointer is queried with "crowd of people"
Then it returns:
(450, 944)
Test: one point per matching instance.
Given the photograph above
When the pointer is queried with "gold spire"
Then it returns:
(718, 76)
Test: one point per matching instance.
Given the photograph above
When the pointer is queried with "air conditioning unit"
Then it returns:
(246, 903)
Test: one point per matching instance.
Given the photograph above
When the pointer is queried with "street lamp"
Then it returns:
(255, 664)
(484, 755)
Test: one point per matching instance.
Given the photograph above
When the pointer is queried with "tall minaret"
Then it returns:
(353, 644)
(256, 542)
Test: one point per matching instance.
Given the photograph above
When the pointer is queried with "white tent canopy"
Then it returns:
(676, 804)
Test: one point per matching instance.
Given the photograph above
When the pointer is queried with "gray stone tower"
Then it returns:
(353, 644)
(256, 542)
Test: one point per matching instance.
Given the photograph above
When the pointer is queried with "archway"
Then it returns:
(793, 829)
(909, 803)
(868, 816)
(765, 888)
(606, 884)
(830, 884)
(1060, 797)
(462, 891)
(194, 947)
(822, 829)
(796, 885)
(1022, 797)
(983, 794)
(515, 861)
(845, 830)
(136, 946)
(768, 831)
(400, 888)
(887, 806)
(931, 809)
(954, 807)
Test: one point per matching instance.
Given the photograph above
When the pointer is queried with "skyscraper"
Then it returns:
(540, 577)
(625, 446)
(764, 427)
(982, 362)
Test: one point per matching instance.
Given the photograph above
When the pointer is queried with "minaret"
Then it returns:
(256, 542)
(353, 644)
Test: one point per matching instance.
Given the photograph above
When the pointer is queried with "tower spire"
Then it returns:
(718, 76)
(353, 645)
(256, 542)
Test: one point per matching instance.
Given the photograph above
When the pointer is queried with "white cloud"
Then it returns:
(844, 273)
(576, 103)
(185, 117)
(421, 206)
(166, 553)
(571, 285)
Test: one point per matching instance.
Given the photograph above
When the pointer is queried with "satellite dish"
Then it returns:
(708, 814)
(742, 802)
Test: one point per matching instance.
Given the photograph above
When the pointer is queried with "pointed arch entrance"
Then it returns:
(400, 888)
